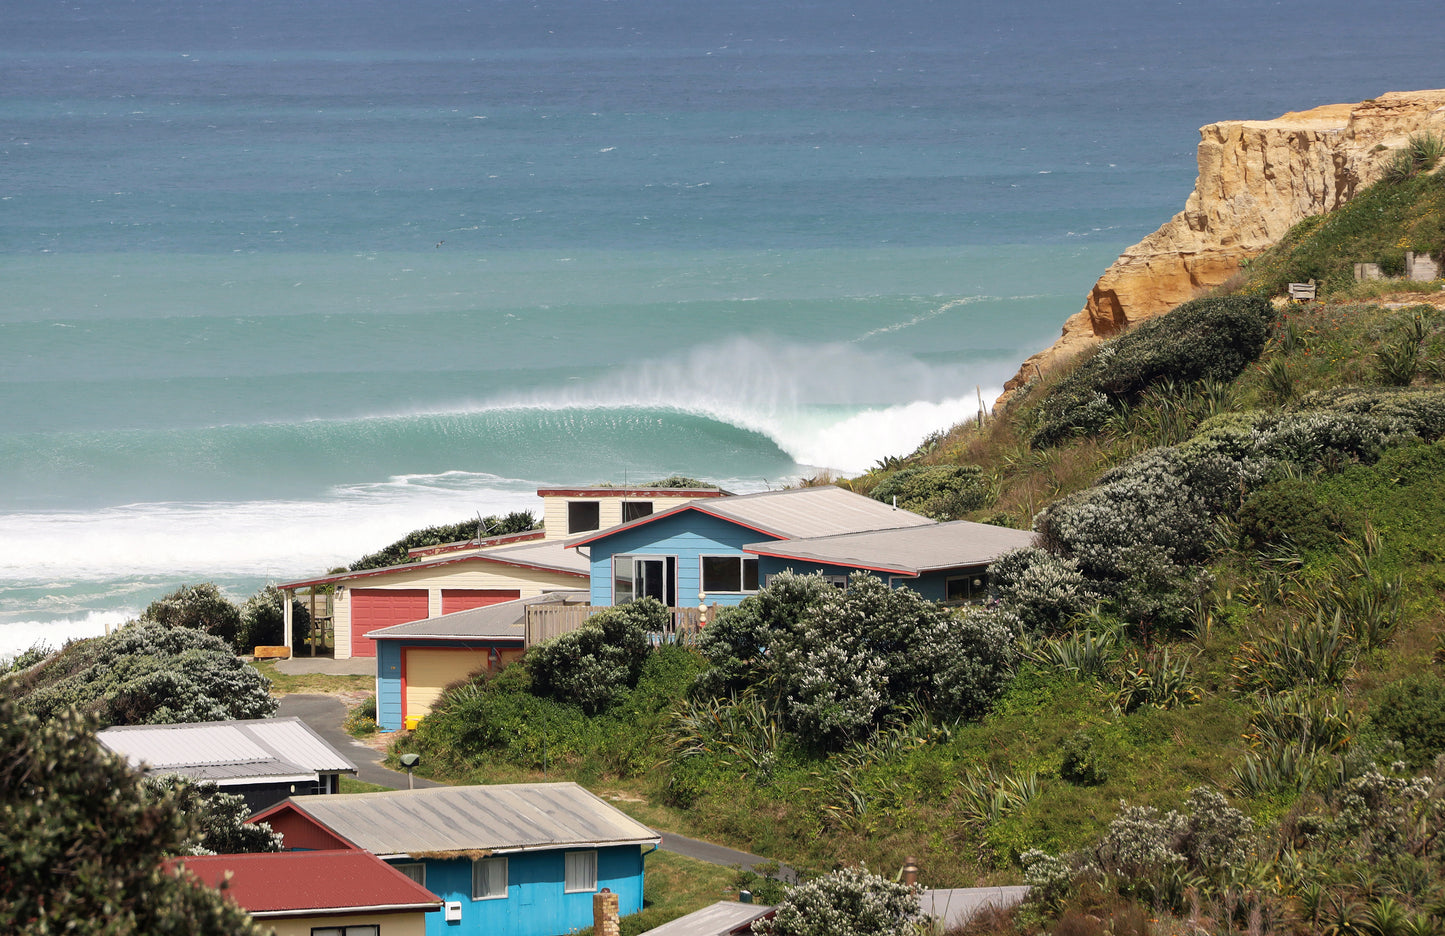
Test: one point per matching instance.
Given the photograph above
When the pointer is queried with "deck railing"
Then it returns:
(545, 621)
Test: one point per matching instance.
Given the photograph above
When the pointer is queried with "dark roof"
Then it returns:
(505, 620)
(824, 510)
(507, 817)
(307, 883)
(229, 752)
(906, 551)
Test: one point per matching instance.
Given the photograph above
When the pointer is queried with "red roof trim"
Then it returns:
(674, 512)
(309, 883)
(911, 573)
(434, 564)
(502, 540)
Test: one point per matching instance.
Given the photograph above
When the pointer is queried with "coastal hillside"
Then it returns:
(1208, 698)
(1257, 179)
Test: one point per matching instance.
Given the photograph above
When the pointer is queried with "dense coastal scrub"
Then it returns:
(1220, 703)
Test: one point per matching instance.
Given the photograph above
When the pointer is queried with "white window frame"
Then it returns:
(631, 559)
(366, 929)
(416, 870)
(578, 867)
(479, 878)
(742, 562)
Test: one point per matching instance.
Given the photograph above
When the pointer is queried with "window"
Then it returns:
(583, 516)
(961, 589)
(416, 871)
(635, 510)
(489, 878)
(636, 577)
(346, 930)
(581, 871)
(729, 573)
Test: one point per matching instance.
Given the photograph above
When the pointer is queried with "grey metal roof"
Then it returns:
(953, 907)
(498, 818)
(720, 919)
(235, 751)
(824, 510)
(556, 555)
(906, 551)
(506, 620)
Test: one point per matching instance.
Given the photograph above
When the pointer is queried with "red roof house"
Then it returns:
(297, 892)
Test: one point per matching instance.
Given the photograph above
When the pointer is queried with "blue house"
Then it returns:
(522, 859)
(720, 551)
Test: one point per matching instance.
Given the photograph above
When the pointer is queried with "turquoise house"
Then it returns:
(521, 859)
(720, 551)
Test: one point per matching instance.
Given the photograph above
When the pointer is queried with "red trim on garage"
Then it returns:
(373, 608)
(465, 599)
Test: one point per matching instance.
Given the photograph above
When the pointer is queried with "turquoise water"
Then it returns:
(283, 281)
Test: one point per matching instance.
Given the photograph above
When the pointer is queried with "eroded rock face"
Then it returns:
(1257, 179)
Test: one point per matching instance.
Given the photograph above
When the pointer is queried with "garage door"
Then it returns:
(427, 672)
(464, 599)
(382, 607)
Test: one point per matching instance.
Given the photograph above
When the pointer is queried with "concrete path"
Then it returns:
(325, 714)
(356, 666)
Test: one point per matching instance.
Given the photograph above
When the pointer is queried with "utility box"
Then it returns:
(454, 911)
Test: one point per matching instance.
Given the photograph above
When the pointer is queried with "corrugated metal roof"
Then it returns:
(251, 748)
(906, 551)
(825, 510)
(720, 919)
(506, 620)
(500, 817)
(301, 882)
(552, 555)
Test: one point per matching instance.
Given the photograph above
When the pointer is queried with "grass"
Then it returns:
(676, 886)
(287, 684)
(352, 785)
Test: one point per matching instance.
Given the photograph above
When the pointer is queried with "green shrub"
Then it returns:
(1046, 592)
(263, 620)
(146, 673)
(199, 607)
(1204, 339)
(1289, 513)
(1081, 761)
(1412, 711)
(596, 664)
(848, 902)
(519, 521)
(736, 641)
(943, 492)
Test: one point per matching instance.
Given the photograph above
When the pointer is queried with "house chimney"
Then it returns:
(605, 921)
(910, 871)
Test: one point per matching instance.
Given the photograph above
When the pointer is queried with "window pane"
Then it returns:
(635, 510)
(489, 878)
(583, 516)
(622, 591)
(750, 574)
(417, 872)
(581, 871)
(721, 574)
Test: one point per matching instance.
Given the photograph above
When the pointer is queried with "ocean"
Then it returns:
(283, 281)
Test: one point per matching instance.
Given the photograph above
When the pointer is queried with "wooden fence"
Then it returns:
(545, 621)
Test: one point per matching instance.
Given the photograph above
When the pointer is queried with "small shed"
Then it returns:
(302, 893)
(264, 760)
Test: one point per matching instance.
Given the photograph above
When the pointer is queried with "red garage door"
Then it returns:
(464, 599)
(382, 607)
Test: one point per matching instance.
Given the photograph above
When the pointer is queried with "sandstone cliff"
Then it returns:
(1257, 178)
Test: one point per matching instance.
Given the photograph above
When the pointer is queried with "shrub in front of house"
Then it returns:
(596, 664)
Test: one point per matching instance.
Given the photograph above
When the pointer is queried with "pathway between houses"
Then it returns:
(325, 713)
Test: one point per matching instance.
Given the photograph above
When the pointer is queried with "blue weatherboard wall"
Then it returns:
(536, 903)
(688, 535)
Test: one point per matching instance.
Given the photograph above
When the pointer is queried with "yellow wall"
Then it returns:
(392, 924)
(530, 582)
(609, 510)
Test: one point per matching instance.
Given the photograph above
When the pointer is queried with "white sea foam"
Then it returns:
(19, 636)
